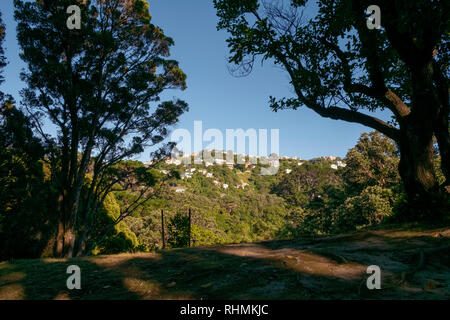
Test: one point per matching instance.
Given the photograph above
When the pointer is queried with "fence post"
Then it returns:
(189, 227)
(162, 230)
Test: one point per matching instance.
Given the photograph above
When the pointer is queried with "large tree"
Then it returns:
(343, 70)
(99, 86)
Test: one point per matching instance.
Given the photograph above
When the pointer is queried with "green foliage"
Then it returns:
(366, 209)
(100, 86)
(147, 231)
(201, 236)
(429, 210)
(178, 231)
(26, 220)
(342, 70)
(119, 238)
(372, 162)
(311, 199)
(308, 183)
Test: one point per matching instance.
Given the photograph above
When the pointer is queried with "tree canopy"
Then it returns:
(100, 87)
(343, 70)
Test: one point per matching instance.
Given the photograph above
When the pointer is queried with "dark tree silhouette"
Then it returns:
(338, 67)
(24, 224)
(99, 86)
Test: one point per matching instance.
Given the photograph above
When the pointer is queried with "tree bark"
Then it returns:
(416, 142)
(416, 163)
(60, 239)
(441, 125)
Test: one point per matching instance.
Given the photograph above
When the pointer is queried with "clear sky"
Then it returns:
(214, 96)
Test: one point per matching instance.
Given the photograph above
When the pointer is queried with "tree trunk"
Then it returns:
(66, 235)
(416, 169)
(443, 139)
(60, 239)
(441, 125)
(426, 119)
(416, 163)
(82, 243)
(59, 249)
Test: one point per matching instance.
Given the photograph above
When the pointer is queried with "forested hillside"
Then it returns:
(236, 203)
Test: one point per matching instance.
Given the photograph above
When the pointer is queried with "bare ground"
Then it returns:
(414, 265)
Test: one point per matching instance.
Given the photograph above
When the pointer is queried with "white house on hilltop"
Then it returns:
(341, 164)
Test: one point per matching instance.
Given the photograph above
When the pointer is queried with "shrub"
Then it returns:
(366, 209)
(178, 231)
(118, 239)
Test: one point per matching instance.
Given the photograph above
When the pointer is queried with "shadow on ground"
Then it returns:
(415, 265)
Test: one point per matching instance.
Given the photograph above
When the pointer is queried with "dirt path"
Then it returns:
(414, 265)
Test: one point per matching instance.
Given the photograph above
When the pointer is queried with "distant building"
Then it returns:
(300, 163)
(219, 161)
(288, 171)
(173, 161)
(253, 159)
(333, 166)
(198, 160)
(230, 164)
(341, 164)
(274, 163)
(148, 164)
(240, 158)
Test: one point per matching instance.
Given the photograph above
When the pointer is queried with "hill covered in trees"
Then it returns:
(235, 203)
(229, 202)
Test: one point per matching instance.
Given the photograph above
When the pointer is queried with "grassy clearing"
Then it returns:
(311, 268)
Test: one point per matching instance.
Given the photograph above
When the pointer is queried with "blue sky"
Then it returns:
(214, 96)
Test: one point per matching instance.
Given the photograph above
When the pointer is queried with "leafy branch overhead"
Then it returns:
(343, 70)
